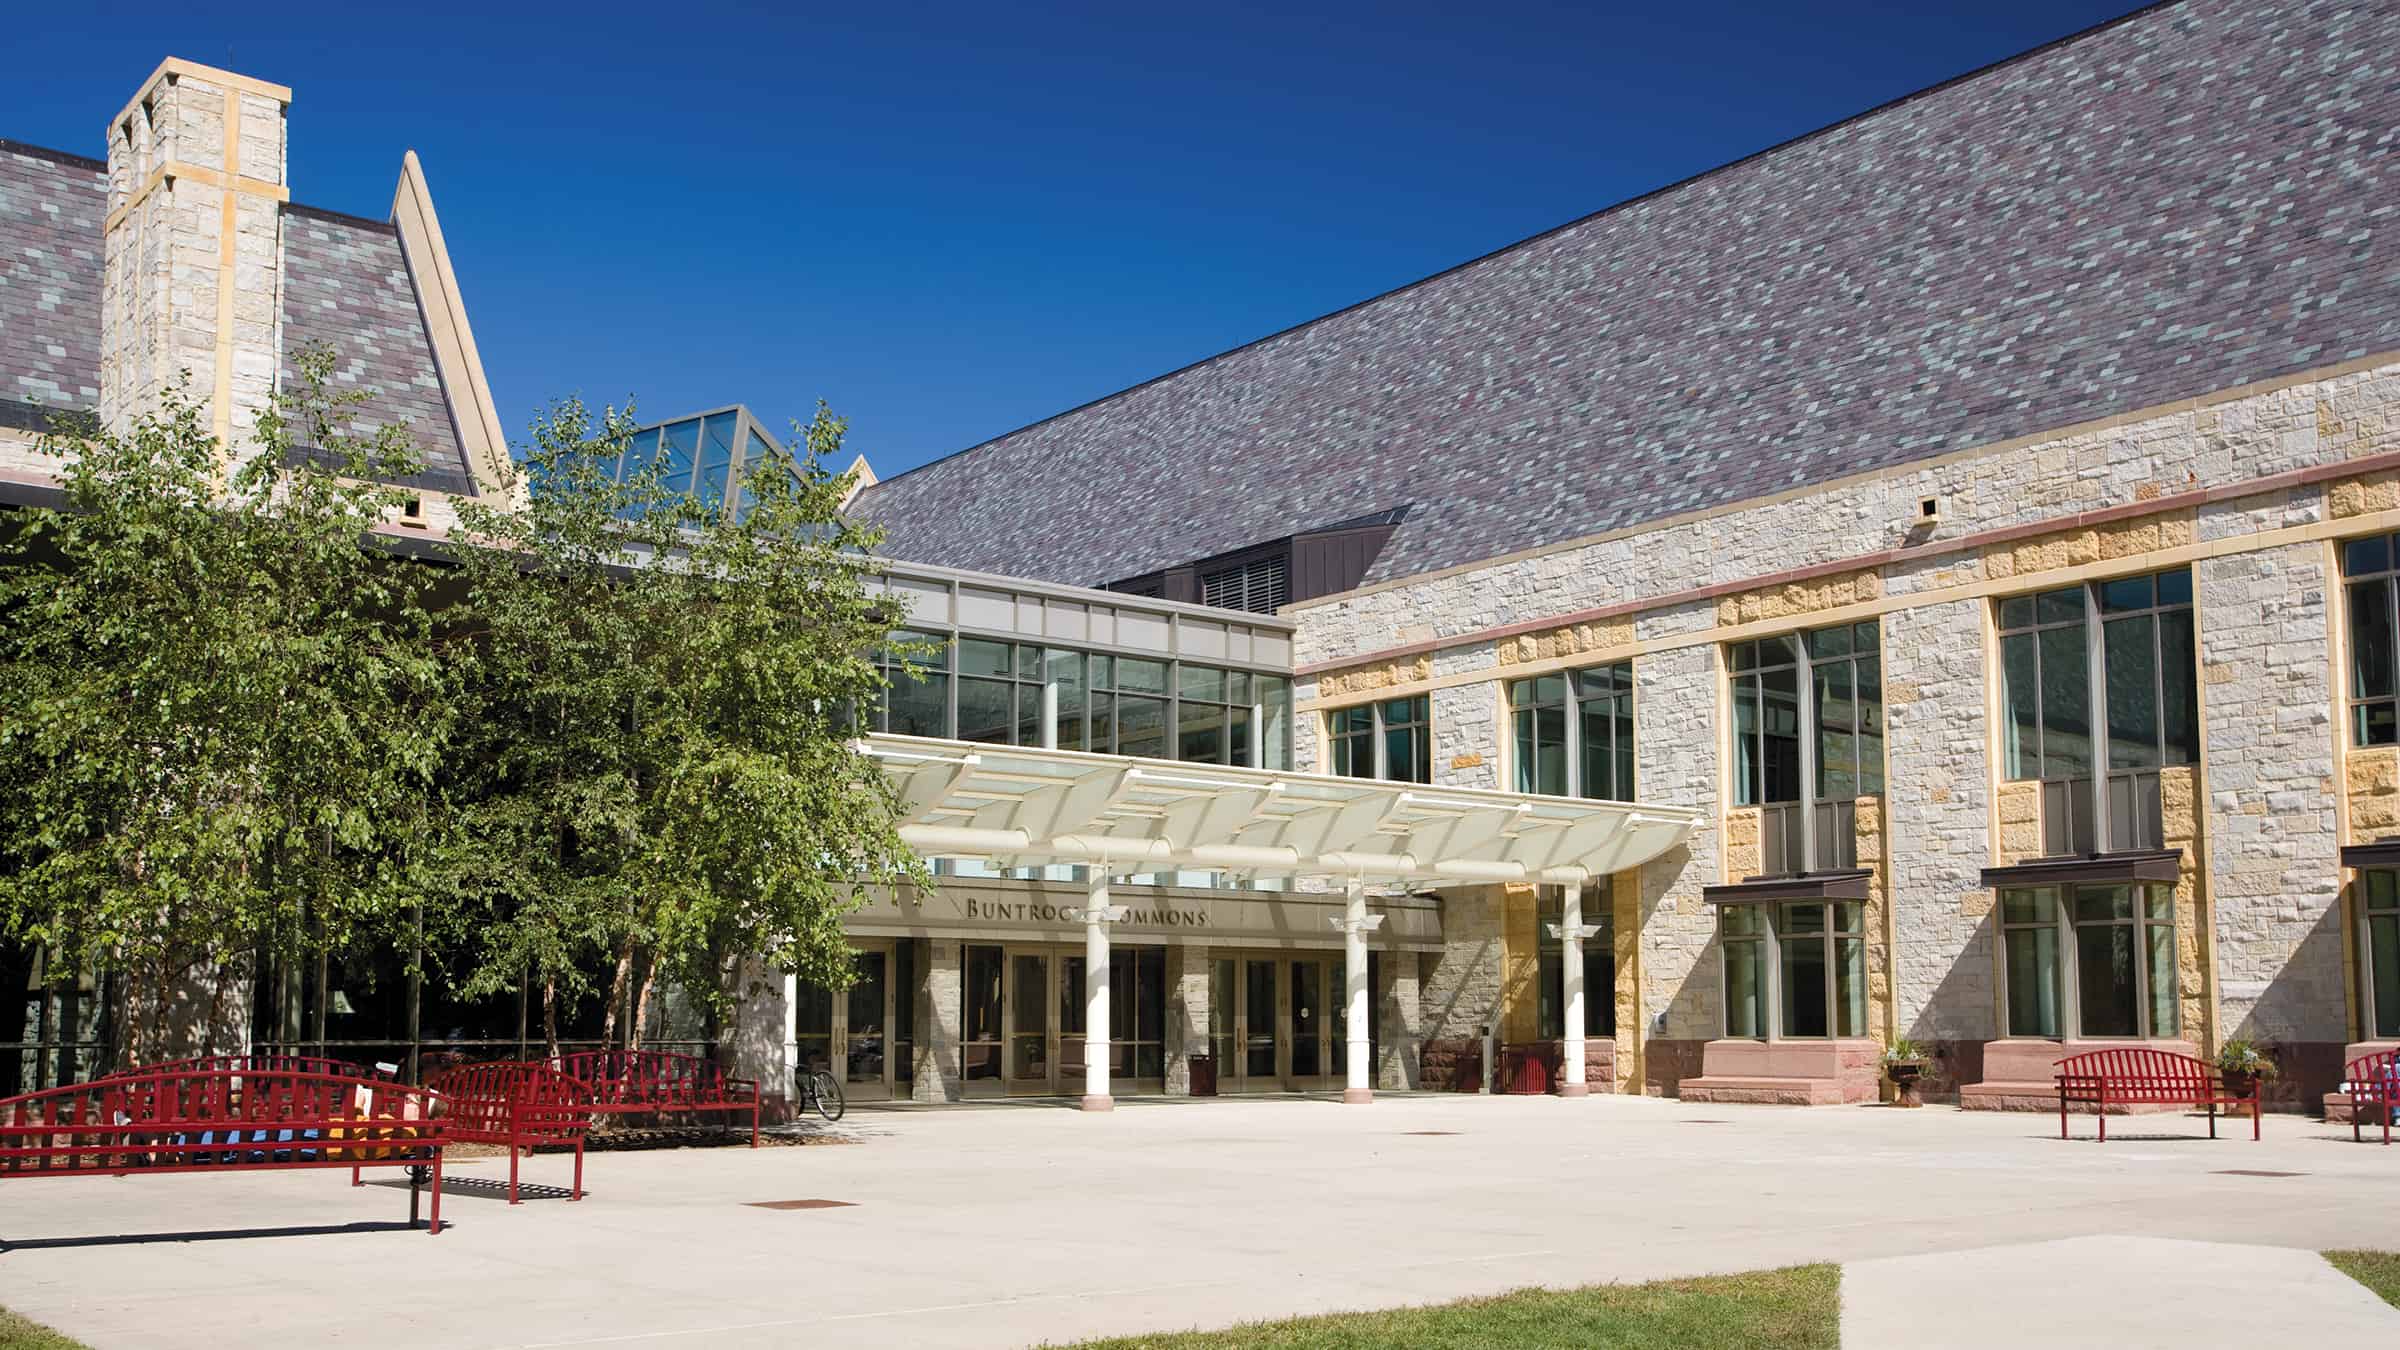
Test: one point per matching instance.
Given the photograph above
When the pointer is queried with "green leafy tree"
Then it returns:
(659, 776)
(224, 713)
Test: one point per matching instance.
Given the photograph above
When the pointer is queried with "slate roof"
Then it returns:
(345, 285)
(50, 208)
(2197, 196)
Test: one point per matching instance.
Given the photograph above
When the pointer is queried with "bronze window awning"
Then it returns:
(2094, 869)
(2379, 853)
(1851, 885)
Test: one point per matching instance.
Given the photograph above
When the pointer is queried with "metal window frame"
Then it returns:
(2095, 658)
(2070, 968)
(2367, 913)
(1804, 678)
(2389, 578)
(1773, 941)
(1571, 744)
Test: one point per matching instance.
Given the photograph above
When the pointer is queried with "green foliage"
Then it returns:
(1902, 1050)
(606, 731)
(655, 776)
(225, 714)
(2240, 1056)
(2378, 1271)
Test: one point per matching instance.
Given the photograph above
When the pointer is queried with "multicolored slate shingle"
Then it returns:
(2194, 198)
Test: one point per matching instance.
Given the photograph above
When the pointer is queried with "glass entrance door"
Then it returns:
(1261, 1024)
(866, 1033)
(980, 1026)
(1032, 1036)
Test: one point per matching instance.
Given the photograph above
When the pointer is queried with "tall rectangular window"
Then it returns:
(916, 702)
(1845, 671)
(2379, 950)
(1742, 932)
(1572, 733)
(2371, 589)
(1808, 741)
(2100, 690)
(1391, 738)
(1000, 692)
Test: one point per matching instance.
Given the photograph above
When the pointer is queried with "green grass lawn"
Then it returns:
(18, 1334)
(2379, 1271)
(1784, 1309)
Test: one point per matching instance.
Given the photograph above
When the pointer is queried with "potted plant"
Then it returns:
(2242, 1066)
(1905, 1062)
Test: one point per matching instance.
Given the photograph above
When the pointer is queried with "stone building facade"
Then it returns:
(2092, 486)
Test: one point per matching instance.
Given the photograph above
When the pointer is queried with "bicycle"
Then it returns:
(818, 1087)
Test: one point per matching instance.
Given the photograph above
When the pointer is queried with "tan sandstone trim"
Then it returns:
(455, 355)
(2071, 430)
(2330, 529)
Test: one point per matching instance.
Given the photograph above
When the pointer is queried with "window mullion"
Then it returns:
(1572, 745)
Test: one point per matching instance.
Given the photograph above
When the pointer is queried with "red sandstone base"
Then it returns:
(1099, 1103)
(1788, 1073)
(2022, 1075)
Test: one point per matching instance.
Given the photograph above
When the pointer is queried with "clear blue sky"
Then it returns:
(951, 220)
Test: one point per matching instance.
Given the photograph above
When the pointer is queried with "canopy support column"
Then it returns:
(1096, 917)
(1358, 1031)
(1570, 1082)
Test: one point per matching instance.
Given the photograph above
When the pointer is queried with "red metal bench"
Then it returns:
(632, 1082)
(515, 1104)
(182, 1120)
(2373, 1080)
(2140, 1076)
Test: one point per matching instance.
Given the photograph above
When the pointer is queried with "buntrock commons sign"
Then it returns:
(1033, 911)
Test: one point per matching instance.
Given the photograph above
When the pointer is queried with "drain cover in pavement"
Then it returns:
(1708, 1122)
(1430, 1134)
(801, 1204)
(2253, 1172)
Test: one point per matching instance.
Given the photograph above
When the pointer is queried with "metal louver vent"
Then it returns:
(1260, 586)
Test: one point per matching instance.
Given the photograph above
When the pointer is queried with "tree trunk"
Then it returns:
(550, 1014)
(616, 994)
(641, 1006)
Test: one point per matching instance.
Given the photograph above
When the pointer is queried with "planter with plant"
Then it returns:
(2244, 1067)
(1905, 1062)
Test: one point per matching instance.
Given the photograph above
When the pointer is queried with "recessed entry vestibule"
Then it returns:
(982, 989)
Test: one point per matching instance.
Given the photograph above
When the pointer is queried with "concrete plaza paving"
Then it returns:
(1011, 1226)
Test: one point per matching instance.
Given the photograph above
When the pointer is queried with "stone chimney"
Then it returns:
(192, 248)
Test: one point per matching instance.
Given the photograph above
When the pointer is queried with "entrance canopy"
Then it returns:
(1015, 806)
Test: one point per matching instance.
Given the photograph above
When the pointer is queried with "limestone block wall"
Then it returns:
(1400, 1020)
(1462, 992)
(192, 249)
(935, 1065)
(1188, 1011)
(1676, 762)
(2267, 702)
(1939, 803)
(760, 1026)
(2244, 435)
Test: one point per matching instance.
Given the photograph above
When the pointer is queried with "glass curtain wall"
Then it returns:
(982, 689)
